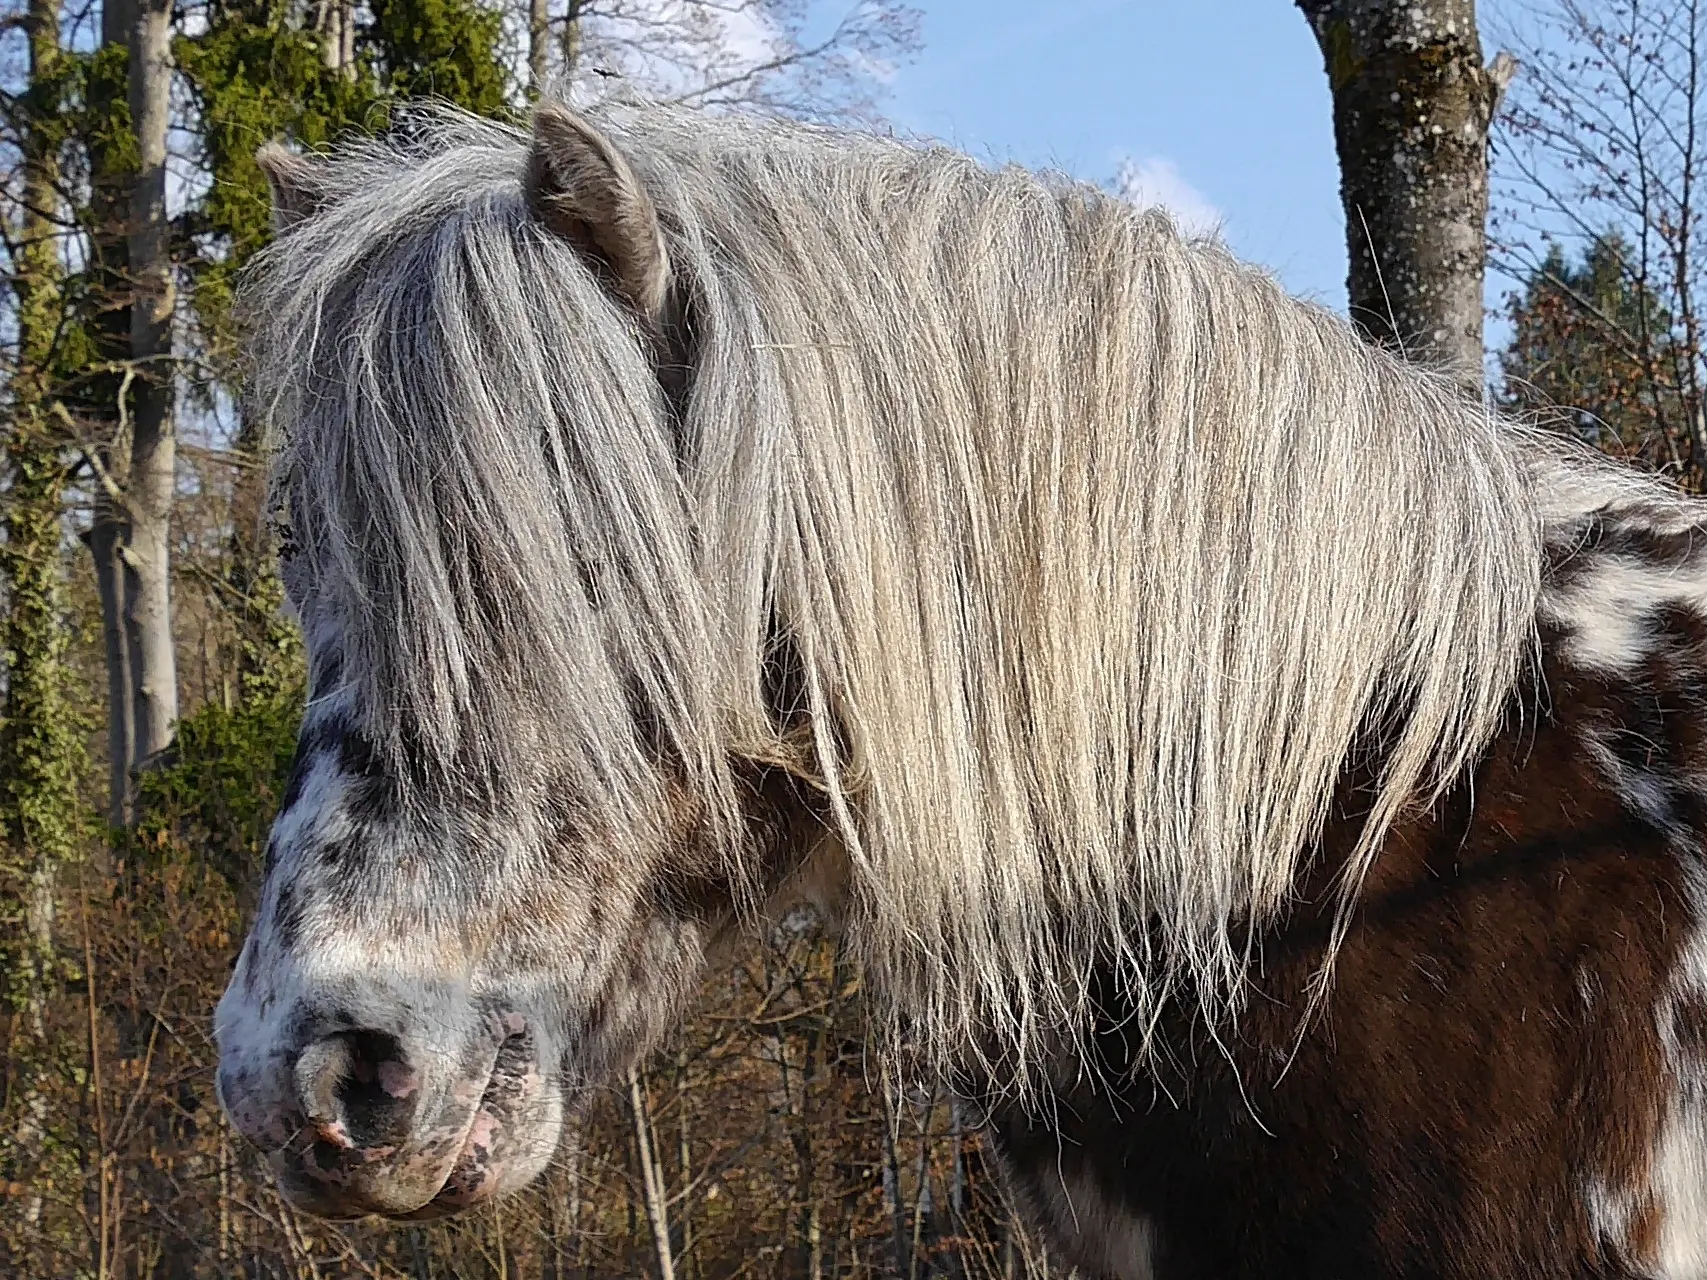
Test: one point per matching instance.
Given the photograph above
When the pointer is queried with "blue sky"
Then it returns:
(1223, 101)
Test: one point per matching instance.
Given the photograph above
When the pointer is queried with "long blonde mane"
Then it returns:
(1100, 554)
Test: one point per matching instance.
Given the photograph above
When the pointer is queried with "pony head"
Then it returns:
(512, 828)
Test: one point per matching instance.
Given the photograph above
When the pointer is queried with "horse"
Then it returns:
(1267, 784)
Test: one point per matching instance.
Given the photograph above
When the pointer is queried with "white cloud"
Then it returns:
(750, 36)
(1156, 180)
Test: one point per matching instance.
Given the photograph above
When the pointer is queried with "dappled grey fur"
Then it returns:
(1097, 552)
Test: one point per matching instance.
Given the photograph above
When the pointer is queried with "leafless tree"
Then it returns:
(795, 56)
(1601, 141)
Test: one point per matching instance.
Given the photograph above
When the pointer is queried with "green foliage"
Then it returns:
(270, 654)
(42, 818)
(104, 122)
(255, 75)
(222, 780)
(41, 749)
(41, 746)
(446, 49)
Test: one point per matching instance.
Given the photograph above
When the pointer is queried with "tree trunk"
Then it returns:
(335, 20)
(684, 1168)
(539, 46)
(153, 442)
(957, 1186)
(108, 534)
(894, 1198)
(1412, 106)
(651, 1176)
(269, 648)
(577, 1200)
(39, 743)
(924, 1208)
(572, 43)
(109, 531)
(347, 49)
(810, 1262)
(38, 740)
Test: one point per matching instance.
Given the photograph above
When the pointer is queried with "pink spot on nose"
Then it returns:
(333, 1132)
(397, 1079)
(501, 1026)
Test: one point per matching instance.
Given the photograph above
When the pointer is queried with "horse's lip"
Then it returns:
(315, 1192)
(501, 1114)
(439, 1204)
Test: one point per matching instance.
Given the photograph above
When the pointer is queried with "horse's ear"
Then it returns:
(295, 182)
(579, 186)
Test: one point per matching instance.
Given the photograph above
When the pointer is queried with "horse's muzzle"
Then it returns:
(360, 1121)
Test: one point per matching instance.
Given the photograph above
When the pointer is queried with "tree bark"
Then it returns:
(108, 534)
(572, 43)
(810, 1263)
(893, 1196)
(37, 740)
(957, 1186)
(684, 1168)
(39, 744)
(109, 531)
(651, 1176)
(335, 20)
(153, 441)
(539, 46)
(1412, 106)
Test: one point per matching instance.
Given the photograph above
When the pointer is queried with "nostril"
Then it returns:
(358, 1088)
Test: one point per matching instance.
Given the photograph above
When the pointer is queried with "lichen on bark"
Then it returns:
(1412, 103)
(41, 748)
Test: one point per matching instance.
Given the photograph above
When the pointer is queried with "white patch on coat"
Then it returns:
(1644, 792)
(377, 977)
(1679, 1174)
(1605, 610)
(1680, 1184)
(1676, 1190)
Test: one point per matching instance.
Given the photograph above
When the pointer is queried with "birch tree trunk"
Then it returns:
(1412, 106)
(335, 21)
(153, 441)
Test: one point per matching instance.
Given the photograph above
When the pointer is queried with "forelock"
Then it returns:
(478, 473)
